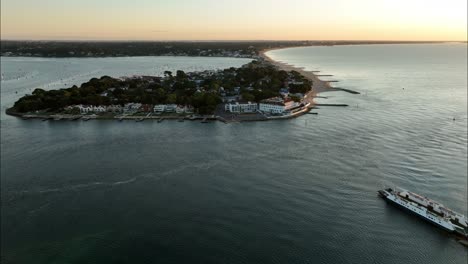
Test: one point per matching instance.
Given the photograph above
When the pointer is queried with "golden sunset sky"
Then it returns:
(234, 20)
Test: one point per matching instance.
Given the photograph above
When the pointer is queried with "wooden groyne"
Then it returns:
(346, 90)
(337, 105)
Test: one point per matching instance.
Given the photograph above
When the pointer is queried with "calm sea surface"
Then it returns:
(295, 191)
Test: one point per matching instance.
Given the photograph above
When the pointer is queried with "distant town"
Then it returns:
(254, 92)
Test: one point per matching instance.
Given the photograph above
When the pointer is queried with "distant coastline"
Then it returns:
(100, 49)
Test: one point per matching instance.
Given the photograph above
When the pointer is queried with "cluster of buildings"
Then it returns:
(132, 108)
(275, 106)
(173, 108)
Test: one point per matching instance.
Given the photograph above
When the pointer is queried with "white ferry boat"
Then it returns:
(431, 211)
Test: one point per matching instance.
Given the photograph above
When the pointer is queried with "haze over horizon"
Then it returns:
(162, 20)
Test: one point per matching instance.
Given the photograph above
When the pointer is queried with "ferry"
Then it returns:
(429, 210)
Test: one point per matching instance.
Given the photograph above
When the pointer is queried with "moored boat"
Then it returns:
(431, 211)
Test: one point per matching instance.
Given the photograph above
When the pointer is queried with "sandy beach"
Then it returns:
(318, 86)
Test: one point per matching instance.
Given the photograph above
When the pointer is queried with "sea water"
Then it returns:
(293, 191)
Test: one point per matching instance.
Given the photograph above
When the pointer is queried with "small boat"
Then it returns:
(86, 118)
(427, 209)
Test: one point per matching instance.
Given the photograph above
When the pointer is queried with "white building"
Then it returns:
(188, 109)
(276, 105)
(114, 108)
(272, 108)
(180, 109)
(99, 109)
(84, 109)
(132, 107)
(170, 108)
(241, 108)
(159, 108)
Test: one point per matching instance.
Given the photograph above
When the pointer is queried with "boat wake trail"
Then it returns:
(15, 195)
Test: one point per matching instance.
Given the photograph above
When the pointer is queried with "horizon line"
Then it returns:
(217, 40)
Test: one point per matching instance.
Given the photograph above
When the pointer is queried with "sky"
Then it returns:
(234, 20)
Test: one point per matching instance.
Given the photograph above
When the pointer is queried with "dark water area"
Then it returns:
(292, 191)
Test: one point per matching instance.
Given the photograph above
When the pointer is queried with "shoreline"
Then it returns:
(318, 85)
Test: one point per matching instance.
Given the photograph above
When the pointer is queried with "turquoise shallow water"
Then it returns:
(294, 191)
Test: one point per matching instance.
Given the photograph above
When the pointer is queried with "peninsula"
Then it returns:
(261, 90)
(256, 91)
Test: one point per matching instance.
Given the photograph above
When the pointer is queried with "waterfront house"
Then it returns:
(237, 107)
(99, 109)
(159, 108)
(171, 108)
(84, 109)
(114, 108)
(182, 109)
(131, 108)
(277, 105)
